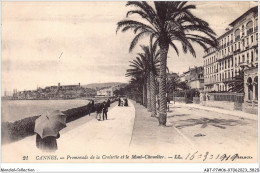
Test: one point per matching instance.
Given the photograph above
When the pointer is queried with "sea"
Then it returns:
(13, 110)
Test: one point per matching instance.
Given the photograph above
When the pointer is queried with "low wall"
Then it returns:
(219, 104)
(181, 99)
(196, 100)
(14, 131)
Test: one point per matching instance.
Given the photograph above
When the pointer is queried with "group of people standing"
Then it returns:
(122, 101)
(102, 108)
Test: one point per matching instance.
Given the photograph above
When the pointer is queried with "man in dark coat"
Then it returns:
(105, 110)
(93, 105)
(89, 108)
(119, 101)
(126, 102)
(99, 111)
(108, 103)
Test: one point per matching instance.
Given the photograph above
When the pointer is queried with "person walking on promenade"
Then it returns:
(89, 108)
(93, 105)
(108, 103)
(105, 110)
(119, 101)
(99, 111)
(126, 102)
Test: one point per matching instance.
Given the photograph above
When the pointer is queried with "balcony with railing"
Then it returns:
(236, 51)
(228, 79)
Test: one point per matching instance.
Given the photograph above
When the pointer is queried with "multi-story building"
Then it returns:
(193, 77)
(107, 92)
(238, 48)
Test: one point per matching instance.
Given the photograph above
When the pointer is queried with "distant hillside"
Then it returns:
(104, 85)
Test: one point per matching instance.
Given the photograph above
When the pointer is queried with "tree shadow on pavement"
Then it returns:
(205, 122)
(177, 115)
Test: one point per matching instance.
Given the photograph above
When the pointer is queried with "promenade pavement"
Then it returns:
(85, 136)
(223, 111)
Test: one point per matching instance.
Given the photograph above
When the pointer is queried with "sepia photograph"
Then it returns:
(129, 82)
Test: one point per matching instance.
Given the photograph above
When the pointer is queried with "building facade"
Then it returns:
(238, 48)
(193, 77)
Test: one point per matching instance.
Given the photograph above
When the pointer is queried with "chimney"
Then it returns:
(227, 29)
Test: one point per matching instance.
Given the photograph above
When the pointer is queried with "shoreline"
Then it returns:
(19, 129)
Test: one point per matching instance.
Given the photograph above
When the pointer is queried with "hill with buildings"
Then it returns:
(99, 86)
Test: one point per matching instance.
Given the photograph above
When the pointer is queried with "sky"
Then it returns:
(44, 43)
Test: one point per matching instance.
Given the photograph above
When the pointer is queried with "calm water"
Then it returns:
(13, 110)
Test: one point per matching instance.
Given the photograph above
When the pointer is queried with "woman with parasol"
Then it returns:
(47, 127)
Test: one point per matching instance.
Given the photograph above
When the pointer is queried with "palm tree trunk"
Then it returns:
(153, 94)
(162, 86)
(148, 94)
(144, 95)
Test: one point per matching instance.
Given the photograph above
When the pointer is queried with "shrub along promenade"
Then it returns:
(14, 131)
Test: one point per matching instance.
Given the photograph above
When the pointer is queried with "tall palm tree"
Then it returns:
(152, 54)
(169, 22)
(138, 72)
(135, 88)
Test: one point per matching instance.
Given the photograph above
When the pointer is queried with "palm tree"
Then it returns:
(146, 66)
(135, 88)
(152, 55)
(169, 22)
(138, 72)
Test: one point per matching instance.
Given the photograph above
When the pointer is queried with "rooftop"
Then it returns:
(254, 10)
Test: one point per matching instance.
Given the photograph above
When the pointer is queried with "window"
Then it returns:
(256, 36)
(235, 46)
(243, 58)
(237, 35)
(247, 57)
(228, 49)
(252, 38)
(252, 56)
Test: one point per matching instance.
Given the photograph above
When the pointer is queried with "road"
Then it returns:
(215, 131)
